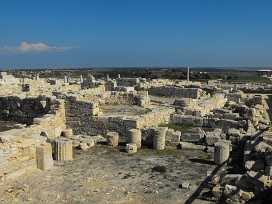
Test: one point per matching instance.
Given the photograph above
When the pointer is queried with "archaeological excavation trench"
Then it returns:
(133, 140)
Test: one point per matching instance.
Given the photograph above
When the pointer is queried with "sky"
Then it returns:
(135, 33)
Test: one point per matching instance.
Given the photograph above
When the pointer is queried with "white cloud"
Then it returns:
(25, 47)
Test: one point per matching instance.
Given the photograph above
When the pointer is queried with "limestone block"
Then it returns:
(262, 147)
(236, 195)
(131, 148)
(189, 145)
(135, 137)
(90, 142)
(44, 157)
(83, 146)
(221, 151)
(254, 165)
(94, 111)
(263, 121)
(234, 132)
(230, 179)
(159, 138)
(217, 192)
(63, 149)
(192, 137)
(176, 136)
(231, 116)
(112, 139)
(211, 138)
(68, 132)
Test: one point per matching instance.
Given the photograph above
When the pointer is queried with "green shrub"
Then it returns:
(161, 169)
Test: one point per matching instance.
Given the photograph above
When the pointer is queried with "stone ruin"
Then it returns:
(223, 119)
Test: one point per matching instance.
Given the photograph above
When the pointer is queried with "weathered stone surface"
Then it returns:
(112, 139)
(68, 133)
(83, 146)
(44, 157)
(236, 195)
(131, 148)
(254, 165)
(211, 138)
(63, 149)
(159, 138)
(135, 137)
(221, 152)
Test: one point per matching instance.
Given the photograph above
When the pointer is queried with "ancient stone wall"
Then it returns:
(194, 121)
(127, 81)
(175, 91)
(83, 117)
(24, 110)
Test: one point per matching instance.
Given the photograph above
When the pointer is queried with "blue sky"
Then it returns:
(128, 33)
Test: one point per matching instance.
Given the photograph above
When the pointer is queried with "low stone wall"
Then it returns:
(80, 117)
(194, 121)
(193, 93)
(17, 153)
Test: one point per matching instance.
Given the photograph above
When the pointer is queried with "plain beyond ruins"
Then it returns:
(172, 141)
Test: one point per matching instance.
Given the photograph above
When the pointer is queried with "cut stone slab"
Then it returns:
(44, 157)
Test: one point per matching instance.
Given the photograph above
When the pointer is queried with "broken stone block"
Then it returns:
(189, 145)
(229, 179)
(262, 147)
(231, 116)
(263, 121)
(236, 195)
(254, 165)
(192, 137)
(211, 138)
(44, 157)
(68, 133)
(112, 139)
(234, 132)
(176, 136)
(83, 146)
(131, 148)
(217, 191)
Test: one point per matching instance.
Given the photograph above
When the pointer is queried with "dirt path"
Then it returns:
(108, 175)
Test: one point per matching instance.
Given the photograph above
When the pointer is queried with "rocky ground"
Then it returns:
(109, 175)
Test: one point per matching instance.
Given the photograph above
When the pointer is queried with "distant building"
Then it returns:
(264, 73)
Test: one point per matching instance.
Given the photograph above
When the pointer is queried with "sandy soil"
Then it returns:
(109, 175)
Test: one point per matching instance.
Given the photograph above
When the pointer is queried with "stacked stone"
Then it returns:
(63, 149)
(112, 139)
(159, 138)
